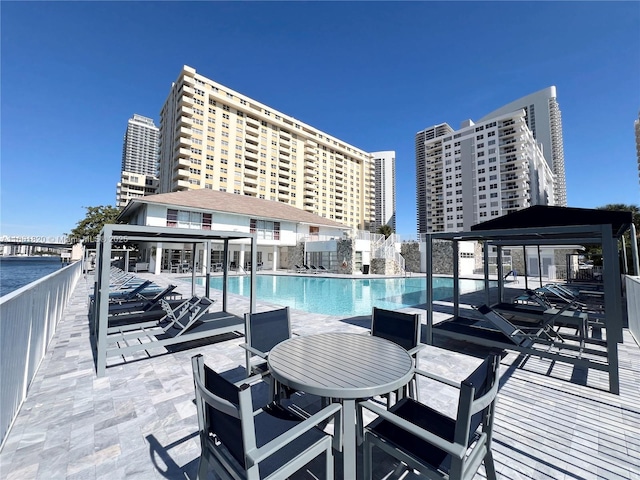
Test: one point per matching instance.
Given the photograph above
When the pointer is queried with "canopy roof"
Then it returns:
(539, 216)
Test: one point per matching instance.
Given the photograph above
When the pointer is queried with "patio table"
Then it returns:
(346, 366)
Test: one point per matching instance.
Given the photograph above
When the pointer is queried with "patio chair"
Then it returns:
(431, 442)
(270, 443)
(402, 329)
(262, 332)
(322, 269)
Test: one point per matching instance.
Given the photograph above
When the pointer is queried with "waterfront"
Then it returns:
(16, 272)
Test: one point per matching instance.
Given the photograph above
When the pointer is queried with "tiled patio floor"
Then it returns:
(139, 420)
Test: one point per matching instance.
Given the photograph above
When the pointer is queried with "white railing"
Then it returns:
(386, 248)
(28, 319)
(632, 287)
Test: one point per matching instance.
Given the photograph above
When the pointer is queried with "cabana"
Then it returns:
(534, 227)
(140, 337)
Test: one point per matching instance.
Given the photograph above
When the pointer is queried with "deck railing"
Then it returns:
(632, 290)
(28, 319)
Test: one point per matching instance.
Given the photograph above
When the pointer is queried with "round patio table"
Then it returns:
(348, 366)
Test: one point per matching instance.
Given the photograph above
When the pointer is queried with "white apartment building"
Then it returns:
(215, 138)
(139, 160)
(479, 172)
(543, 117)
(285, 235)
(134, 185)
(385, 189)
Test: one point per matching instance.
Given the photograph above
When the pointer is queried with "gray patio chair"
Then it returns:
(262, 332)
(269, 443)
(402, 329)
(436, 445)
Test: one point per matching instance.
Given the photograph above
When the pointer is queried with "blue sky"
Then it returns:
(370, 73)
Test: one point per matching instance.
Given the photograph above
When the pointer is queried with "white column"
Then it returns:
(158, 260)
(274, 265)
(241, 258)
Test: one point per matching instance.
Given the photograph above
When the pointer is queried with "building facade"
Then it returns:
(286, 235)
(139, 160)
(479, 172)
(215, 138)
(543, 117)
(385, 189)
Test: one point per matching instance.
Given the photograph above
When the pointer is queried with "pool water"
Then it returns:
(343, 296)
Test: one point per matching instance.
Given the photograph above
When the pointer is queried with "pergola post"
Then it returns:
(429, 288)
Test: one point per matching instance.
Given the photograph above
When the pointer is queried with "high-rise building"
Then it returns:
(479, 172)
(542, 115)
(385, 191)
(138, 175)
(214, 137)
(426, 159)
(140, 147)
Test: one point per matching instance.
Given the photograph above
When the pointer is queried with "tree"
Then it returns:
(385, 230)
(89, 227)
(595, 251)
(634, 209)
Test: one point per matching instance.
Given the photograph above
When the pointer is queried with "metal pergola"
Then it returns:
(506, 232)
(112, 234)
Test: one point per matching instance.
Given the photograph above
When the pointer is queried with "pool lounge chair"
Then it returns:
(142, 303)
(168, 312)
(322, 269)
(194, 323)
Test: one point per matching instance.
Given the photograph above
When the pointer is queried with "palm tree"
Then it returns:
(385, 230)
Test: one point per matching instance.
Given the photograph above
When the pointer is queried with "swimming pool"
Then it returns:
(343, 296)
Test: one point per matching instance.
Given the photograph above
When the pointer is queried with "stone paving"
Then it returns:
(139, 420)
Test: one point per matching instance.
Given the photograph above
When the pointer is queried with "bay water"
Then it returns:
(16, 272)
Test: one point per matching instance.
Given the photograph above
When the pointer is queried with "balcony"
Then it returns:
(183, 152)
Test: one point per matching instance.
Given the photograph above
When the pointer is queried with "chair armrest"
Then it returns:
(453, 449)
(259, 454)
(416, 349)
(255, 351)
(252, 380)
(437, 378)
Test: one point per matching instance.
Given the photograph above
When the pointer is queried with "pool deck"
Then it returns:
(553, 421)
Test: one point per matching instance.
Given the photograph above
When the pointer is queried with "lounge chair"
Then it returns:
(299, 268)
(169, 312)
(314, 269)
(271, 442)
(322, 269)
(431, 442)
(523, 336)
(142, 303)
(306, 268)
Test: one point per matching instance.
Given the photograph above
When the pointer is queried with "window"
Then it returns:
(265, 229)
(186, 219)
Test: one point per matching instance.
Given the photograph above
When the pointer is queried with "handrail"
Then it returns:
(29, 317)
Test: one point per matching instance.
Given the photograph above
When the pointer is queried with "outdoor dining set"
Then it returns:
(339, 378)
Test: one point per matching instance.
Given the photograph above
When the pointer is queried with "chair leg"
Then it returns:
(489, 466)
(329, 463)
(203, 467)
(367, 470)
